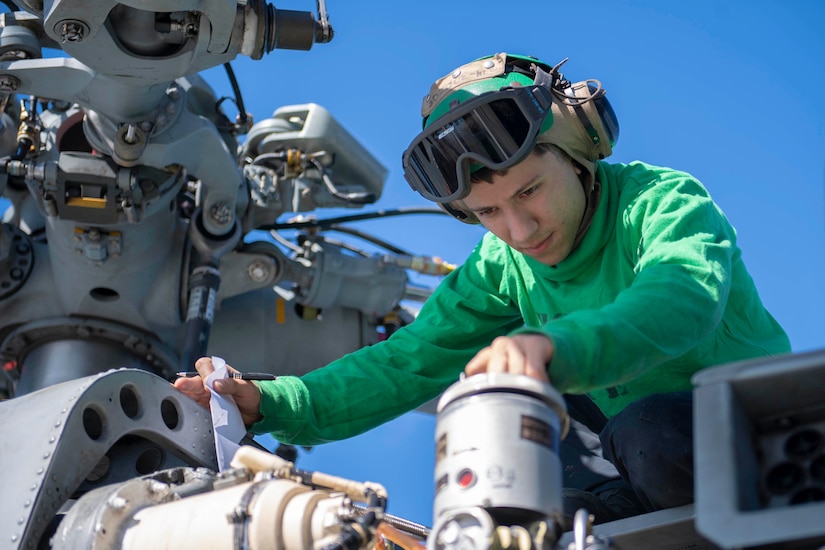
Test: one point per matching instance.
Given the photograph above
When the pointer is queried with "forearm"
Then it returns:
(662, 316)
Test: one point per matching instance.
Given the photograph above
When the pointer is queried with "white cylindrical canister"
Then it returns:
(497, 446)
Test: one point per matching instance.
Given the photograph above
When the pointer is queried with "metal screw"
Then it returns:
(158, 488)
(117, 503)
(72, 31)
(131, 136)
(258, 270)
(220, 213)
(9, 83)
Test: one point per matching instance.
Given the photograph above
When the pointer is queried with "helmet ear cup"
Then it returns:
(588, 102)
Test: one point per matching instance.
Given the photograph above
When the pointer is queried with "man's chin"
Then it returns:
(546, 258)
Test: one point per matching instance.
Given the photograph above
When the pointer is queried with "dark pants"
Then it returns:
(648, 446)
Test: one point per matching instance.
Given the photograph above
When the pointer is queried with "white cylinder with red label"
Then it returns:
(497, 447)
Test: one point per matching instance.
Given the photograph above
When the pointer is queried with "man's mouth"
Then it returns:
(537, 248)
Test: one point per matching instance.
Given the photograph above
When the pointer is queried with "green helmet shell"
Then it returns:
(496, 77)
(475, 89)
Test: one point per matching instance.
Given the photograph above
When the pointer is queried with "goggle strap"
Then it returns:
(456, 213)
(543, 78)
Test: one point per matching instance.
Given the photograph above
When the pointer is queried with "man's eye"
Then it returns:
(486, 212)
(529, 191)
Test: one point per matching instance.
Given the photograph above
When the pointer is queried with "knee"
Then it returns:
(654, 425)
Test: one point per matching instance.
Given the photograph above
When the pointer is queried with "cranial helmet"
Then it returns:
(577, 118)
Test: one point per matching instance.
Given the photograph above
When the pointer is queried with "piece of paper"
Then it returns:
(227, 424)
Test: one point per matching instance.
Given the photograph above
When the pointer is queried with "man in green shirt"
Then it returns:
(614, 282)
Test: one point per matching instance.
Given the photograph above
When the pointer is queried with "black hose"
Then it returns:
(243, 116)
(369, 238)
(354, 198)
(204, 281)
(327, 223)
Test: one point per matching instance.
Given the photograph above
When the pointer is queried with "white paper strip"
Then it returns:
(227, 424)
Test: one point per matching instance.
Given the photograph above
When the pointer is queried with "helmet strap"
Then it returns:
(592, 197)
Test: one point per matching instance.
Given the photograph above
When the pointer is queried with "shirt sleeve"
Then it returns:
(377, 383)
(684, 251)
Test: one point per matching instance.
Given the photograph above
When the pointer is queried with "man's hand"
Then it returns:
(246, 394)
(526, 354)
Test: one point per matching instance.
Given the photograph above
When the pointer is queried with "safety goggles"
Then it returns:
(496, 129)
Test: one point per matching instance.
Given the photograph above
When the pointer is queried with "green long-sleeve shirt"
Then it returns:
(656, 291)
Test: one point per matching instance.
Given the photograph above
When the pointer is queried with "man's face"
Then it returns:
(536, 207)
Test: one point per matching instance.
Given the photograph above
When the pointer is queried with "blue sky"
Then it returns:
(729, 91)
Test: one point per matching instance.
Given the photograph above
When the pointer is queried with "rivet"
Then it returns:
(46, 454)
(118, 503)
(27, 504)
(489, 64)
(40, 471)
(456, 73)
(21, 521)
(14, 538)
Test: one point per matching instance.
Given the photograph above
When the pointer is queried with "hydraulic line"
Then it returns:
(204, 283)
(325, 224)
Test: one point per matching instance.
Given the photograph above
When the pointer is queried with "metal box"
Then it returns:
(760, 452)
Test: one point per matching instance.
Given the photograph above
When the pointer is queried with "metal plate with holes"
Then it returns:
(66, 439)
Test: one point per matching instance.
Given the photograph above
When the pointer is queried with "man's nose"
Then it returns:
(522, 226)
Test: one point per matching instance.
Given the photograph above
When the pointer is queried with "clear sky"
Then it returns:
(729, 91)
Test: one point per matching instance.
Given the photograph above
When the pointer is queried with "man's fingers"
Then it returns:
(477, 364)
(505, 357)
(204, 367)
(232, 386)
(246, 394)
(194, 388)
(526, 354)
(538, 351)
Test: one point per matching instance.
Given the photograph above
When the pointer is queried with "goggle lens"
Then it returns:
(495, 130)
